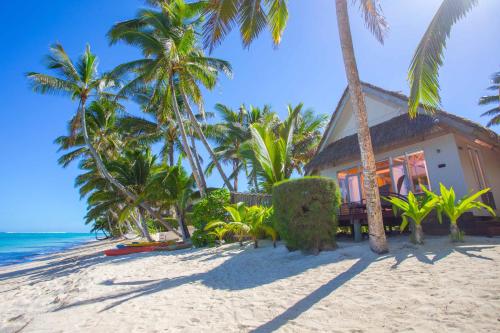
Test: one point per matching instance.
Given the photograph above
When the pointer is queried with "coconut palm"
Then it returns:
(423, 73)
(103, 129)
(253, 16)
(229, 134)
(174, 187)
(80, 81)
(173, 61)
(494, 99)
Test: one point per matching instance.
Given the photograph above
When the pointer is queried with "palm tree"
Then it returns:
(172, 61)
(229, 134)
(173, 186)
(494, 99)
(423, 74)
(80, 81)
(253, 17)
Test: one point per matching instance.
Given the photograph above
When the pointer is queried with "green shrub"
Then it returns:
(210, 208)
(201, 238)
(305, 213)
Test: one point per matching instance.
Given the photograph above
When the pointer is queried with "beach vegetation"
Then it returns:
(494, 100)
(305, 213)
(413, 211)
(453, 208)
(243, 222)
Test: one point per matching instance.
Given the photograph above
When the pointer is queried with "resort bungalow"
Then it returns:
(430, 149)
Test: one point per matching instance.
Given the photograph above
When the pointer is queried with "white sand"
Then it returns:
(434, 288)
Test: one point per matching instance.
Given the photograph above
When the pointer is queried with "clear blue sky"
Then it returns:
(37, 195)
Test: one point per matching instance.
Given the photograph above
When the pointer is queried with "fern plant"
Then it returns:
(415, 209)
(447, 203)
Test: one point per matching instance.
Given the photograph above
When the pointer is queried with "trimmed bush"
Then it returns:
(210, 208)
(305, 213)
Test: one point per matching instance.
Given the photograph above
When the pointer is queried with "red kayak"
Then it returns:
(129, 250)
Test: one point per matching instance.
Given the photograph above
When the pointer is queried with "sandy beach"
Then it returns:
(435, 288)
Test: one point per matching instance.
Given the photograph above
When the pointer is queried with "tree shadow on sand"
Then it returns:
(245, 270)
(52, 268)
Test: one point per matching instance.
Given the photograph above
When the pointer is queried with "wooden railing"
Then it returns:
(252, 199)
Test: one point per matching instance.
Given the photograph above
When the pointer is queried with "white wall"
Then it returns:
(439, 150)
(378, 112)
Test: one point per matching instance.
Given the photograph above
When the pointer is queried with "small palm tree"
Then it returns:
(80, 81)
(271, 149)
(415, 209)
(494, 99)
(172, 186)
(447, 203)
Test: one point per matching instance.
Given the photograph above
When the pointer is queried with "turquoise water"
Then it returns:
(22, 247)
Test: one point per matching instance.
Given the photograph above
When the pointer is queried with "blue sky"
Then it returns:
(37, 195)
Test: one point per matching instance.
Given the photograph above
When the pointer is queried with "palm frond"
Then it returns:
(423, 74)
(374, 19)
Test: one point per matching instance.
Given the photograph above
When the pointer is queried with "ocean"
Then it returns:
(22, 247)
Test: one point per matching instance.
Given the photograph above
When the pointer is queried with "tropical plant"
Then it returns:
(447, 203)
(494, 99)
(174, 187)
(270, 149)
(80, 81)
(423, 74)
(210, 208)
(253, 16)
(416, 209)
(245, 221)
(172, 60)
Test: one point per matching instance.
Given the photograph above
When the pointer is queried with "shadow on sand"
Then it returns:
(245, 270)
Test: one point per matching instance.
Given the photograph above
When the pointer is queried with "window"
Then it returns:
(400, 174)
(350, 185)
(418, 171)
(384, 181)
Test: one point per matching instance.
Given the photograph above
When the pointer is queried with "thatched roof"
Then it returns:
(396, 132)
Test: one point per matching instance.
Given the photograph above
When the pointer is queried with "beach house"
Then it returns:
(410, 153)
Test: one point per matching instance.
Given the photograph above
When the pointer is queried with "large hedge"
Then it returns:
(305, 213)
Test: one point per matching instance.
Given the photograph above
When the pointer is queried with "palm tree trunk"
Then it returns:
(378, 242)
(182, 225)
(203, 139)
(235, 173)
(185, 144)
(143, 224)
(106, 175)
(171, 154)
(197, 160)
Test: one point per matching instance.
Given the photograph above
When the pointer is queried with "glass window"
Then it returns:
(418, 171)
(353, 183)
(341, 178)
(399, 175)
(384, 181)
(350, 185)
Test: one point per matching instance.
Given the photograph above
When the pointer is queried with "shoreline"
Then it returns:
(432, 288)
